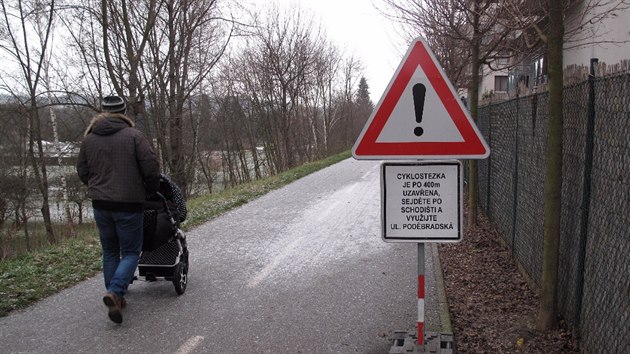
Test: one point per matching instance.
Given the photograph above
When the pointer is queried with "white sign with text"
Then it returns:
(422, 201)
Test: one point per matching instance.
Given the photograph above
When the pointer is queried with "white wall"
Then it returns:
(487, 81)
(612, 29)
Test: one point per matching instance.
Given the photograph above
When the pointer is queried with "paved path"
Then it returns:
(300, 270)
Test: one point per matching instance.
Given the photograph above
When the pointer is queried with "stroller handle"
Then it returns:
(159, 204)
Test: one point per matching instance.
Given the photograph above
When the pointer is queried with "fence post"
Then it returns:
(586, 191)
(515, 179)
(489, 163)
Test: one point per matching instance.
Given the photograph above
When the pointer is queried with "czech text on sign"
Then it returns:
(420, 116)
(422, 201)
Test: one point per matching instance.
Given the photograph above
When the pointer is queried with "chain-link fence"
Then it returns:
(594, 259)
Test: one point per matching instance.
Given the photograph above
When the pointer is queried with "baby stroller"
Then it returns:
(164, 251)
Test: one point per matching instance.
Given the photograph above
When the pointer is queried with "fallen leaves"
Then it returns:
(491, 305)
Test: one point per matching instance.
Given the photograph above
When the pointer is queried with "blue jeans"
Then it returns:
(121, 240)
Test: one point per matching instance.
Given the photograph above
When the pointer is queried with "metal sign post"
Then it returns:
(422, 202)
(420, 116)
(421, 295)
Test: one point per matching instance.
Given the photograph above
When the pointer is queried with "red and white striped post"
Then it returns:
(421, 294)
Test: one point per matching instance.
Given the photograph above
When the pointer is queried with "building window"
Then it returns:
(500, 83)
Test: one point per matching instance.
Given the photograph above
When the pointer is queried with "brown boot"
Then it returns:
(114, 307)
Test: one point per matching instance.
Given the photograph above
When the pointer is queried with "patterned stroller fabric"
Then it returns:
(173, 195)
(158, 228)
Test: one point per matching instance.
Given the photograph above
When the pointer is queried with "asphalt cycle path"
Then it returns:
(302, 269)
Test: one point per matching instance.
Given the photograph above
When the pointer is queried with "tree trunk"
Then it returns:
(53, 122)
(474, 107)
(553, 181)
(80, 213)
(27, 237)
(64, 184)
(177, 153)
(38, 162)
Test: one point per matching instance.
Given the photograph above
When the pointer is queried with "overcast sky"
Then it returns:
(357, 27)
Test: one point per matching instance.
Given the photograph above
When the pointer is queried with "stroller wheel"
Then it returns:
(180, 277)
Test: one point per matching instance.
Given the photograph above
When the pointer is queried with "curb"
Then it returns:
(445, 316)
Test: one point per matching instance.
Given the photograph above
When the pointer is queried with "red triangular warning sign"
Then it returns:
(420, 116)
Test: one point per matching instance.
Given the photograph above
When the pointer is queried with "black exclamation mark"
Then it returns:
(418, 105)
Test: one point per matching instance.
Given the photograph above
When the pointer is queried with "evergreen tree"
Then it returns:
(363, 95)
(364, 107)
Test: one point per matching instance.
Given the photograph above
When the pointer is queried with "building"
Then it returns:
(607, 40)
(605, 36)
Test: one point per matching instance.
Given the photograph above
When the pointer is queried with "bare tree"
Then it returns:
(185, 45)
(160, 50)
(41, 33)
(444, 27)
(126, 26)
(327, 64)
(355, 103)
(281, 61)
(295, 90)
(583, 21)
(78, 194)
(16, 184)
(13, 163)
(20, 18)
(106, 41)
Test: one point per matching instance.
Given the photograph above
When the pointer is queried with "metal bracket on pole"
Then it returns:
(406, 342)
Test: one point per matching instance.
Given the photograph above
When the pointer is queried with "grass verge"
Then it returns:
(209, 206)
(34, 276)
